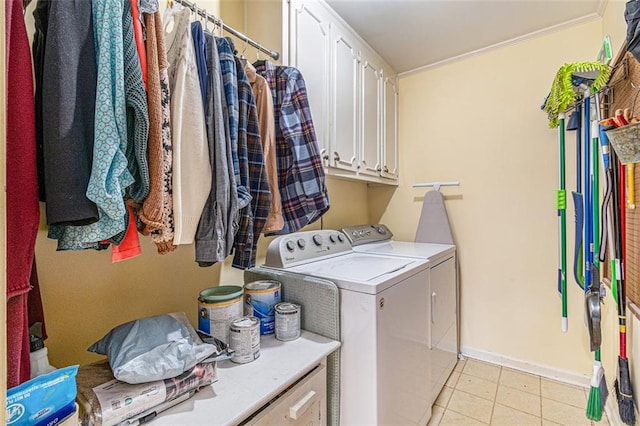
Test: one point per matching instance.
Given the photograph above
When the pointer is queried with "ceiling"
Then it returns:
(411, 34)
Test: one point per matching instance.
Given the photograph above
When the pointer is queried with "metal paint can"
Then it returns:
(260, 299)
(287, 321)
(244, 339)
(217, 307)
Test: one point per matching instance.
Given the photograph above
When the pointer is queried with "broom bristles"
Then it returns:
(624, 393)
(598, 393)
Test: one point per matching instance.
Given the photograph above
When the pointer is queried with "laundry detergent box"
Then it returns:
(44, 400)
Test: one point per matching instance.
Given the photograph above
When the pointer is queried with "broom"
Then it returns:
(622, 385)
(598, 393)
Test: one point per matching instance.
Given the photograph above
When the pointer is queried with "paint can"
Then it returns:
(260, 299)
(244, 339)
(217, 307)
(287, 321)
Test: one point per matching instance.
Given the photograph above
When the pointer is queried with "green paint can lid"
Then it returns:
(221, 293)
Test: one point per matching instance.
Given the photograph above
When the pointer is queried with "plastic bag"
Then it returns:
(43, 400)
(154, 348)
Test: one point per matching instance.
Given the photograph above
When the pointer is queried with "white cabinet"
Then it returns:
(444, 326)
(353, 94)
(303, 404)
(346, 66)
(390, 123)
(371, 77)
(310, 45)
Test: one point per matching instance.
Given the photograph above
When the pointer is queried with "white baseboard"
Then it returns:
(549, 372)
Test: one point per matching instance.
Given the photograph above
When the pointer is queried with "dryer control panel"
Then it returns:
(307, 246)
(365, 234)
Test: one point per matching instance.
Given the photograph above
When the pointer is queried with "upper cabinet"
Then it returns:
(353, 94)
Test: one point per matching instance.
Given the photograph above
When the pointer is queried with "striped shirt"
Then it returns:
(301, 177)
(253, 216)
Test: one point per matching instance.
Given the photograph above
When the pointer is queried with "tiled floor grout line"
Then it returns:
(495, 396)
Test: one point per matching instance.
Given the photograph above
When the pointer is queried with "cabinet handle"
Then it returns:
(325, 157)
(298, 409)
(433, 307)
(378, 169)
(386, 169)
(336, 156)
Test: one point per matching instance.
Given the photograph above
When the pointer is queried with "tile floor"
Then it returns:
(479, 393)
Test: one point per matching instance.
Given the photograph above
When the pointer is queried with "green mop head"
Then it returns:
(598, 393)
(624, 393)
(563, 91)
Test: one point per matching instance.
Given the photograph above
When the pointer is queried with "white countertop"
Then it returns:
(242, 389)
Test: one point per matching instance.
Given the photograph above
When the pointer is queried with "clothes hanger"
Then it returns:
(243, 59)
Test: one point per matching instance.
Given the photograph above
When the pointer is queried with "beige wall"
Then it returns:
(85, 295)
(478, 121)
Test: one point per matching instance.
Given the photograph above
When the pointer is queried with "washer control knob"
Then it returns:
(332, 238)
(381, 230)
(354, 233)
(340, 238)
(301, 243)
(368, 232)
(317, 240)
(290, 245)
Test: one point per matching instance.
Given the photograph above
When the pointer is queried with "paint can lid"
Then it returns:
(221, 293)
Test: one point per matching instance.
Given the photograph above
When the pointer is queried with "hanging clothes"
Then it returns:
(201, 58)
(137, 111)
(191, 167)
(216, 230)
(139, 37)
(301, 178)
(109, 175)
(254, 216)
(22, 211)
(229, 73)
(264, 105)
(157, 210)
(66, 74)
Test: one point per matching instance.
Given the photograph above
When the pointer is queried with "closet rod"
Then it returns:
(272, 53)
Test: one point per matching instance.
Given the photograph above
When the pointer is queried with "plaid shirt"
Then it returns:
(252, 174)
(229, 80)
(300, 174)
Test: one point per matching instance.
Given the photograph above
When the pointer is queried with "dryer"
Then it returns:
(442, 292)
(385, 354)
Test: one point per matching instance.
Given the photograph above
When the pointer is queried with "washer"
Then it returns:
(385, 353)
(443, 291)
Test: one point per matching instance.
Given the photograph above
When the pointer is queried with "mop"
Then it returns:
(563, 93)
(562, 225)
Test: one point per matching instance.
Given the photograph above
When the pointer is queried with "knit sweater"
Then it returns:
(191, 167)
(157, 210)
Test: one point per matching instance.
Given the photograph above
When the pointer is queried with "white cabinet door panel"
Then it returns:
(344, 145)
(311, 44)
(370, 113)
(390, 145)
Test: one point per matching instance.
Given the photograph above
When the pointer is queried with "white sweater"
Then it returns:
(191, 166)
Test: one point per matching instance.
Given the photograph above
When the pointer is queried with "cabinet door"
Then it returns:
(310, 46)
(344, 146)
(371, 76)
(444, 328)
(390, 133)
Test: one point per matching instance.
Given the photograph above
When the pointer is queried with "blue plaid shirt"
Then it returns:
(301, 177)
(252, 173)
(228, 69)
